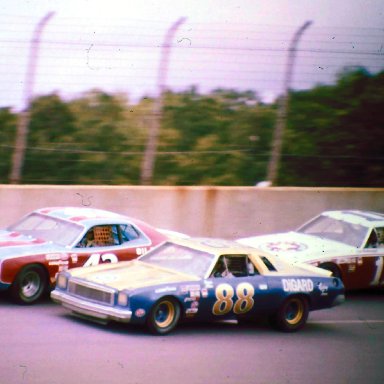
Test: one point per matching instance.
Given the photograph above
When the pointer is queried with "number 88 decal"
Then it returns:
(224, 295)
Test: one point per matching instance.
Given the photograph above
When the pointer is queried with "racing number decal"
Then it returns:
(245, 302)
(95, 259)
(224, 295)
(379, 270)
(224, 303)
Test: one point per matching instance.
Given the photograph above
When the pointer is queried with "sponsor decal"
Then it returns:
(189, 299)
(359, 261)
(106, 278)
(195, 294)
(194, 304)
(351, 267)
(204, 292)
(141, 251)
(263, 287)
(56, 256)
(323, 288)
(58, 262)
(297, 285)
(140, 312)
(74, 258)
(208, 284)
(165, 289)
(191, 311)
(285, 246)
(190, 288)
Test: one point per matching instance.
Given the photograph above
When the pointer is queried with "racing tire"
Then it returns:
(164, 316)
(331, 268)
(292, 315)
(30, 285)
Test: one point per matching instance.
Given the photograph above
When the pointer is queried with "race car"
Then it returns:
(198, 280)
(50, 240)
(349, 243)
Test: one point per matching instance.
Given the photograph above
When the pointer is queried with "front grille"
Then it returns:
(91, 292)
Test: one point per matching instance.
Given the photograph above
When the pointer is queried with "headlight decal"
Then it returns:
(122, 299)
(62, 281)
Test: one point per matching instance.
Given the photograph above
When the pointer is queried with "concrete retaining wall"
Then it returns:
(228, 212)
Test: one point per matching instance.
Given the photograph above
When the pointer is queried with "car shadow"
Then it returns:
(202, 328)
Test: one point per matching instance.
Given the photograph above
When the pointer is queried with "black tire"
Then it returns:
(332, 268)
(30, 285)
(164, 316)
(292, 315)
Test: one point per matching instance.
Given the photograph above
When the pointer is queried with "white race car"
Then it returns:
(349, 243)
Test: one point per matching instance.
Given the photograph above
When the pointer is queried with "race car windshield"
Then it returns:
(180, 258)
(338, 230)
(48, 229)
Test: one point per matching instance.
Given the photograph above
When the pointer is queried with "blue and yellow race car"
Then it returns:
(201, 280)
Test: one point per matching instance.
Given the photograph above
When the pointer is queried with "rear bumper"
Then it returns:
(91, 310)
(339, 299)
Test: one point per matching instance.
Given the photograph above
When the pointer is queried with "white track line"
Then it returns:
(346, 321)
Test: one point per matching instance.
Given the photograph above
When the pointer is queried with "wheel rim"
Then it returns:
(31, 284)
(164, 314)
(294, 312)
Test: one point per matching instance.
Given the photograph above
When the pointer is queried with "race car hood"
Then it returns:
(12, 243)
(298, 247)
(130, 275)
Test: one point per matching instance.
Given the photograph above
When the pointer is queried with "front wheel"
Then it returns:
(292, 315)
(164, 316)
(30, 284)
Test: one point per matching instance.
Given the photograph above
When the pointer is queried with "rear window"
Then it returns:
(268, 263)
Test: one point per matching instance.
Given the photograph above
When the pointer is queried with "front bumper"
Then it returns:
(91, 310)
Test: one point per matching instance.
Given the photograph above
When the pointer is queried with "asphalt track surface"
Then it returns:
(44, 344)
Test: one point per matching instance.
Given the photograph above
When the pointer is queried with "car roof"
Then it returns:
(83, 215)
(220, 247)
(366, 218)
(215, 245)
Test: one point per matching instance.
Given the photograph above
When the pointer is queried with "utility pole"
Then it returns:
(283, 107)
(155, 121)
(24, 118)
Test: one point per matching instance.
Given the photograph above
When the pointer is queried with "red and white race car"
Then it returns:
(349, 243)
(50, 240)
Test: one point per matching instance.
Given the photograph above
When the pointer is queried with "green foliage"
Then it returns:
(8, 121)
(334, 137)
(219, 139)
(51, 130)
(335, 134)
(104, 137)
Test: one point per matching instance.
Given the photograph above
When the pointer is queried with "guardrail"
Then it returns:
(228, 212)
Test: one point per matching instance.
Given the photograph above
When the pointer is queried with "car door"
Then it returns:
(109, 244)
(369, 269)
(234, 292)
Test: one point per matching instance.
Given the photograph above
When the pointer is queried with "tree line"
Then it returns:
(334, 137)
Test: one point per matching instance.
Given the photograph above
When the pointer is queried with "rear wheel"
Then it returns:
(292, 315)
(164, 316)
(30, 284)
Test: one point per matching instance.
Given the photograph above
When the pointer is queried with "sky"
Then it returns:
(115, 45)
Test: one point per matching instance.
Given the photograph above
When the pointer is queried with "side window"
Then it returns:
(233, 266)
(100, 236)
(380, 237)
(376, 238)
(128, 233)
